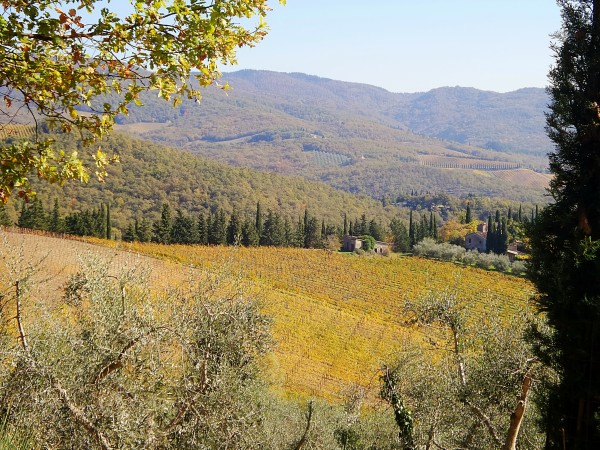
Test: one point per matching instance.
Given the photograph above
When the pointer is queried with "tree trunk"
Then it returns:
(516, 417)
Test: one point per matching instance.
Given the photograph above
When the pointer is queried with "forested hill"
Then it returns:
(149, 174)
(361, 138)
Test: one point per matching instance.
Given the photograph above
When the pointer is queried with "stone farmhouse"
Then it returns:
(477, 240)
(352, 243)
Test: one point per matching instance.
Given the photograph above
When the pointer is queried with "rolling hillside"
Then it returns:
(149, 174)
(356, 137)
(336, 317)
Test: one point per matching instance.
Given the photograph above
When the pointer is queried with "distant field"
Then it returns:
(524, 177)
(16, 131)
(450, 162)
(336, 317)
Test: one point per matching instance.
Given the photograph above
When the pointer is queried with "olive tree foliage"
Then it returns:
(111, 365)
(468, 382)
(59, 55)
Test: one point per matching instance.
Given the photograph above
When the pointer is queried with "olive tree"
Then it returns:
(467, 383)
(115, 365)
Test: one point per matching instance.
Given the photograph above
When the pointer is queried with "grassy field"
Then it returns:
(336, 317)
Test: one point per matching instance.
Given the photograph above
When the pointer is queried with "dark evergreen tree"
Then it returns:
(364, 226)
(502, 238)
(161, 231)
(469, 216)
(234, 230)
(108, 222)
(5, 220)
(312, 237)
(130, 235)
(376, 230)
(250, 237)
(400, 235)
(183, 230)
(273, 232)
(520, 214)
(345, 224)
(202, 230)
(411, 230)
(143, 230)
(490, 241)
(258, 220)
(565, 240)
(55, 223)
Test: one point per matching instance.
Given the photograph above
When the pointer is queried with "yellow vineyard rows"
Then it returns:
(16, 131)
(336, 317)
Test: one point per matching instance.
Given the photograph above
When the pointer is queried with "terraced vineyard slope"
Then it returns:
(336, 317)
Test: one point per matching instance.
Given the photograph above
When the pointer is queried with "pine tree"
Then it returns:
(202, 230)
(130, 235)
(183, 230)
(250, 237)
(411, 230)
(490, 244)
(108, 222)
(56, 223)
(258, 222)
(565, 240)
(144, 231)
(5, 220)
(161, 232)
(234, 230)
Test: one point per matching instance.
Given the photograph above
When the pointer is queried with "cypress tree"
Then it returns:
(162, 227)
(411, 230)
(5, 220)
(202, 230)
(234, 230)
(345, 224)
(108, 222)
(130, 235)
(55, 224)
(468, 218)
(565, 240)
(258, 221)
(489, 241)
(250, 237)
(144, 231)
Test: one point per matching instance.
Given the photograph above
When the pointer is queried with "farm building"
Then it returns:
(477, 240)
(352, 243)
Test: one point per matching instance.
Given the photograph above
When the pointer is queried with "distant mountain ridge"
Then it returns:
(360, 138)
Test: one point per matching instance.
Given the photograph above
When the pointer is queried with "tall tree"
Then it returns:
(108, 222)
(55, 59)
(5, 220)
(565, 240)
(469, 216)
(162, 228)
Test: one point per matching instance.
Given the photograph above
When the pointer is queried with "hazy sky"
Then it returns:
(411, 45)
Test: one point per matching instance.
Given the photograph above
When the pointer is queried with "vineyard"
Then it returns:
(524, 177)
(330, 158)
(8, 131)
(449, 162)
(336, 317)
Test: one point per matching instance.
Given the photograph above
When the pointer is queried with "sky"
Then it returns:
(411, 45)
